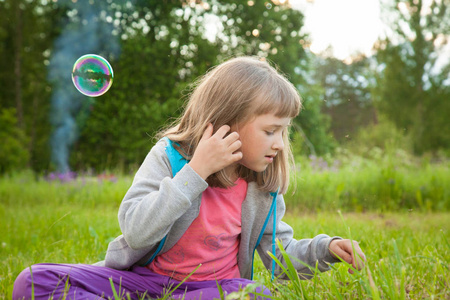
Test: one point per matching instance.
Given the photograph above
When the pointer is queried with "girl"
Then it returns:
(207, 195)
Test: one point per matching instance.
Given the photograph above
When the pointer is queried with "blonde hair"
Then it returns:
(234, 93)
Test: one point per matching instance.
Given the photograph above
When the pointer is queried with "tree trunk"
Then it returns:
(18, 64)
(33, 125)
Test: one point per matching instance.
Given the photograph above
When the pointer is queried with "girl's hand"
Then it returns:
(344, 250)
(215, 152)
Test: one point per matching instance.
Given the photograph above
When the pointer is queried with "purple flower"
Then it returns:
(62, 177)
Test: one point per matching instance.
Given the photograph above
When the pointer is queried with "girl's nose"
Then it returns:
(278, 144)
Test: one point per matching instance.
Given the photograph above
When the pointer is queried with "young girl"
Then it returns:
(207, 195)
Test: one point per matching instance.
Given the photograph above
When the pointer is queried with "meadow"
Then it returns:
(398, 210)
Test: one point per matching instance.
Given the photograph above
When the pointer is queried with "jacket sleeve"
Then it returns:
(309, 251)
(155, 200)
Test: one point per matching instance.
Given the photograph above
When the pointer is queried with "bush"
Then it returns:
(383, 135)
(13, 153)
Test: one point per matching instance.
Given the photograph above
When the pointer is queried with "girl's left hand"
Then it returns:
(344, 250)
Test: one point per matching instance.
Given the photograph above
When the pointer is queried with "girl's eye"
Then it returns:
(269, 132)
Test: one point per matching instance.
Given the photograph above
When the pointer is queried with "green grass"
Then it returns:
(408, 252)
(408, 255)
(382, 183)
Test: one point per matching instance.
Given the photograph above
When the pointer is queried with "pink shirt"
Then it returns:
(211, 240)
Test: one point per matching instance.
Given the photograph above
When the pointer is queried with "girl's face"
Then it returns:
(262, 139)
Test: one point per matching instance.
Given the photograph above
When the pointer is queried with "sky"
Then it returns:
(348, 26)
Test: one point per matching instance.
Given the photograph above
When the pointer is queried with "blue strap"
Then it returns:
(274, 233)
(272, 209)
(177, 162)
(161, 244)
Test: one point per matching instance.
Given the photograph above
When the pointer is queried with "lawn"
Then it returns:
(408, 252)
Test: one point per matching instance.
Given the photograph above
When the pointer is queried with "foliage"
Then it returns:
(408, 253)
(27, 28)
(164, 47)
(412, 88)
(311, 127)
(384, 135)
(346, 94)
(163, 56)
(13, 148)
(154, 68)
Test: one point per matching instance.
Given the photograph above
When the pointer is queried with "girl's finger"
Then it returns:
(222, 131)
(208, 132)
(236, 145)
(232, 137)
(237, 156)
(361, 254)
(343, 254)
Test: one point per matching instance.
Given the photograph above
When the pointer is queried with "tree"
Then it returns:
(162, 50)
(27, 29)
(165, 47)
(347, 96)
(413, 86)
(13, 153)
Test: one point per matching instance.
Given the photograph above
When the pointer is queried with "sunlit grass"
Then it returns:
(408, 256)
(359, 184)
(408, 253)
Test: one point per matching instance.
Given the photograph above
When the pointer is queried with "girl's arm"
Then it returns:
(155, 200)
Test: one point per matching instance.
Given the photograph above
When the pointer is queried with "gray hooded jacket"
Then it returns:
(160, 207)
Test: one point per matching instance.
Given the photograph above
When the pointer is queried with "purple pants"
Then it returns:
(93, 282)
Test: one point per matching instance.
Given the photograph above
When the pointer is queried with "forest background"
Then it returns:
(397, 98)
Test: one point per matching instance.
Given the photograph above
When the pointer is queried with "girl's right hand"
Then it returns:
(349, 251)
(215, 152)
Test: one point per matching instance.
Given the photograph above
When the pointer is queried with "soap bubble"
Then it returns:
(92, 75)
